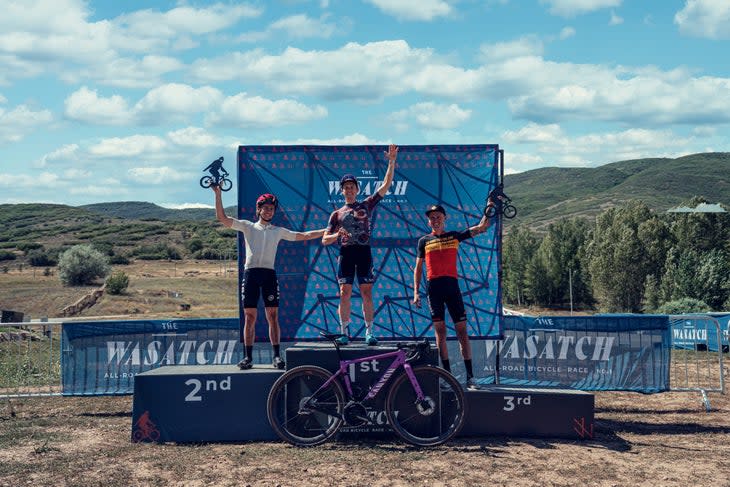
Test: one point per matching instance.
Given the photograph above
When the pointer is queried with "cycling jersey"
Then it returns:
(355, 218)
(262, 241)
(440, 253)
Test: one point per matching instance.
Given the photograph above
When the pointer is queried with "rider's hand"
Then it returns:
(342, 233)
(392, 153)
(216, 189)
(417, 300)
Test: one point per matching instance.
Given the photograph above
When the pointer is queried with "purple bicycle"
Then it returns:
(425, 405)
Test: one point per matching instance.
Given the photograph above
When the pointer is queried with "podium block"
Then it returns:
(363, 375)
(198, 403)
(529, 412)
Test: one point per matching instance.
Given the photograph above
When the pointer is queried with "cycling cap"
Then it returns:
(348, 178)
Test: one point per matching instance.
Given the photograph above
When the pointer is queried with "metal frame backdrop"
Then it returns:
(306, 181)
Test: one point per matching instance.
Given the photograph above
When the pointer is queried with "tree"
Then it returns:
(82, 264)
(627, 245)
(519, 247)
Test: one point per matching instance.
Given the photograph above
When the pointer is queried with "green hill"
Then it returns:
(546, 194)
(541, 196)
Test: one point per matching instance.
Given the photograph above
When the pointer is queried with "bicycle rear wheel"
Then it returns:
(301, 411)
(206, 182)
(434, 420)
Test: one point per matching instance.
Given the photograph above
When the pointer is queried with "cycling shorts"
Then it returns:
(258, 281)
(444, 292)
(355, 260)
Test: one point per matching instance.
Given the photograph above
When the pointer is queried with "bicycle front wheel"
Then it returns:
(509, 211)
(435, 419)
(303, 412)
(225, 184)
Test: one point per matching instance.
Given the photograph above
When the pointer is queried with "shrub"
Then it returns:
(119, 260)
(26, 247)
(82, 264)
(39, 258)
(117, 282)
(683, 305)
(5, 255)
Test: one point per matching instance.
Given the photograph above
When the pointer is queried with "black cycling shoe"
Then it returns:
(245, 364)
(278, 363)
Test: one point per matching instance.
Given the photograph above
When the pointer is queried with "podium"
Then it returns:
(220, 403)
(529, 412)
(197, 403)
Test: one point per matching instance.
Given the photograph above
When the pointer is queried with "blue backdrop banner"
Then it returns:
(103, 357)
(590, 353)
(306, 181)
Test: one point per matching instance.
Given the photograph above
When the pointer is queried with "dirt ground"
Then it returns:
(660, 440)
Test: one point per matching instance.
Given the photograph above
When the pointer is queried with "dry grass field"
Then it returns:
(659, 440)
(156, 289)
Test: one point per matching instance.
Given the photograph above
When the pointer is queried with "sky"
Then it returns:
(106, 101)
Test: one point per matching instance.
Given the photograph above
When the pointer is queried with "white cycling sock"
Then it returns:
(369, 327)
(345, 328)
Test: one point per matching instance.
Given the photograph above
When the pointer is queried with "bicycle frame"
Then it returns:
(400, 360)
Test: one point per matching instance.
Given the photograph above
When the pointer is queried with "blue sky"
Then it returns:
(118, 101)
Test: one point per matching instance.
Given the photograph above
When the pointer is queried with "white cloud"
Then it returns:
(21, 121)
(65, 153)
(126, 72)
(184, 206)
(125, 147)
(572, 8)
(193, 137)
(3, 99)
(705, 18)
(175, 101)
(553, 144)
(536, 89)
(615, 19)
(352, 139)
(59, 36)
(157, 175)
(525, 46)
(421, 10)
(431, 115)
(566, 32)
(254, 111)
(85, 105)
(28, 181)
(295, 27)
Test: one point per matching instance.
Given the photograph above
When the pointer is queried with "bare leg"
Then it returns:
(345, 302)
(272, 316)
(463, 338)
(366, 291)
(439, 329)
(249, 326)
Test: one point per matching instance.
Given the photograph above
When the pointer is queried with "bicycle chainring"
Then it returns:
(355, 414)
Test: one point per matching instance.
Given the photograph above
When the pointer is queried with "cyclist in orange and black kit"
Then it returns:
(439, 250)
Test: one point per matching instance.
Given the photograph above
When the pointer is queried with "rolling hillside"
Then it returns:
(541, 196)
(546, 194)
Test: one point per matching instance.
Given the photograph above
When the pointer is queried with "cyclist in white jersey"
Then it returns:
(259, 277)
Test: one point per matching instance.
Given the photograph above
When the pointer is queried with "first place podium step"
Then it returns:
(197, 403)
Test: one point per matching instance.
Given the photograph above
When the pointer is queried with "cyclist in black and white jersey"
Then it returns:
(259, 277)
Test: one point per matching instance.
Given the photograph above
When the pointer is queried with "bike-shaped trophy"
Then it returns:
(217, 176)
(500, 204)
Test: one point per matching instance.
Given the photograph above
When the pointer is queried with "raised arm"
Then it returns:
(220, 213)
(392, 154)
(481, 227)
